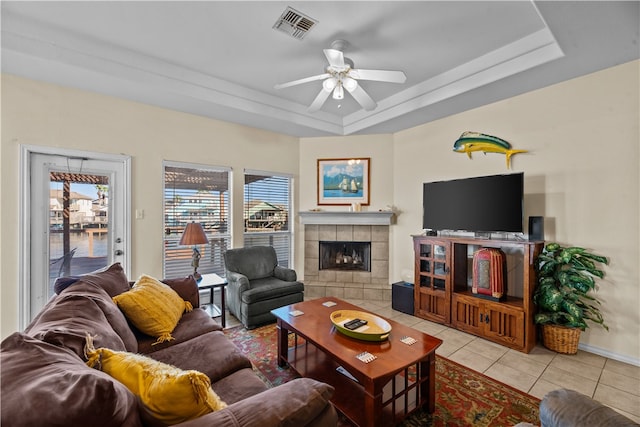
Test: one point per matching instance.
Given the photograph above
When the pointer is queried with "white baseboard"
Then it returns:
(605, 353)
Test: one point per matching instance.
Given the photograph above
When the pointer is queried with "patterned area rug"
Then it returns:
(463, 397)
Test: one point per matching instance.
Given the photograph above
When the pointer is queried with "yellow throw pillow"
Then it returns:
(153, 307)
(171, 395)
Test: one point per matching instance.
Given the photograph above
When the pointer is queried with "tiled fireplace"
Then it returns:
(366, 237)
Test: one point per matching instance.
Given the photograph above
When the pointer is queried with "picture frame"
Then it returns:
(344, 181)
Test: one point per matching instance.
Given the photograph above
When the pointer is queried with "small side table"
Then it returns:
(213, 281)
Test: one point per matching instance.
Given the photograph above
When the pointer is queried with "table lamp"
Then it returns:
(194, 235)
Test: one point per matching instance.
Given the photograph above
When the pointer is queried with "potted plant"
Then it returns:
(566, 278)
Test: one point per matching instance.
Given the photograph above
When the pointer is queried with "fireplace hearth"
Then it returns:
(350, 256)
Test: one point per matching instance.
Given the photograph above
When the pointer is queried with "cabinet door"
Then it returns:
(504, 324)
(432, 297)
(466, 314)
(432, 264)
(432, 305)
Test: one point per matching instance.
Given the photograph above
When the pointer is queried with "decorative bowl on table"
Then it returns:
(376, 328)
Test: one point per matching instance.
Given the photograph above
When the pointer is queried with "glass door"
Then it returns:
(77, 222)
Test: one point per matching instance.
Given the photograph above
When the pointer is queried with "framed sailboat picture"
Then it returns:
(343, 181)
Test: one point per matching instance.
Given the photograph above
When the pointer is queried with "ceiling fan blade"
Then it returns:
(335, 57)
(301, 81)
(363, 98)
(319, 101)
(379, 75)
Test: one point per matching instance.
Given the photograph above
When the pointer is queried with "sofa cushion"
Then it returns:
(45, 384)
(239, 385)
(296, 403)
(112, 279)
(192, 324)
(69, 318)
(116, 319)
(153, 307)
(171, 395)
(222, 356)
(270, 288)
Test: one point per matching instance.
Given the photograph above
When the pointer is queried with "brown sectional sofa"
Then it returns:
(45, 381)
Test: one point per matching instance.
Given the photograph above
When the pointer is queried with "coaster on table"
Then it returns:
(296, 313)
(408, 340)
(366, 357)
(329, 303)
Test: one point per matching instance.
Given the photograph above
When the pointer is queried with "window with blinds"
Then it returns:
(267, 208)
(199, 194)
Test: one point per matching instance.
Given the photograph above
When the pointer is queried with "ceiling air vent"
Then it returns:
(294, 23)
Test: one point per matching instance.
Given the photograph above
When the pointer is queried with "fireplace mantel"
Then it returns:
(347, 218)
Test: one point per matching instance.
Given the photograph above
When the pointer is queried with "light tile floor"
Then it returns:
(608, 381)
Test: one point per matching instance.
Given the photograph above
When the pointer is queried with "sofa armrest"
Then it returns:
(286, 274)
(565, 407)
(239, 282)
(187, 288)
(296, 403)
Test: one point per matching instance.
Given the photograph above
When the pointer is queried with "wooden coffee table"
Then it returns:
(380, 393)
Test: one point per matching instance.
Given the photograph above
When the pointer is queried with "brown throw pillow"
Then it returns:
(112, 279)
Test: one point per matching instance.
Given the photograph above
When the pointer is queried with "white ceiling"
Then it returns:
(222, 59)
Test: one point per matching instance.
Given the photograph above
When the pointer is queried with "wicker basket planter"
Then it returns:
(561, 339)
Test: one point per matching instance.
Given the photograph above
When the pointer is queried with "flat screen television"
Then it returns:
(480, 204)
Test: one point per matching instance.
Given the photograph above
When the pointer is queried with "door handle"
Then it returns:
(118, 252)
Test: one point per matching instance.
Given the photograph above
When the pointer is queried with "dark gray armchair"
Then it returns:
(257, 284)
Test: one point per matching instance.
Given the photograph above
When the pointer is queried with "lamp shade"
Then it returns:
(338, 92)
(349, 84)
(193, 235)
(330, 83)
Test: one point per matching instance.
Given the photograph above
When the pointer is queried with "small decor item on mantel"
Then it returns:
(566, 277)
(475, 141)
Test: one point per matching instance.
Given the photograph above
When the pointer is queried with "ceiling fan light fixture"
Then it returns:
(338, 92)
(349, 83)
(340, 75)
(329, 84)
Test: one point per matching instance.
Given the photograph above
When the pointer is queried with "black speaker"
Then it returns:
(536, 228)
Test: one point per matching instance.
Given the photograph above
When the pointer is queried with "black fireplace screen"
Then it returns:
(345, 256)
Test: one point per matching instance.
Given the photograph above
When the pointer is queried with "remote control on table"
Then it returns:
(355, 324)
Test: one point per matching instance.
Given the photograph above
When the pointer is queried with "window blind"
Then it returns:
(267, 212)
(199, 194)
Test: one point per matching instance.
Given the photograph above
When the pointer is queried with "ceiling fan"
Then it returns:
(340, 75)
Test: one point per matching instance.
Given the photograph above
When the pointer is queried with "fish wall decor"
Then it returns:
(475, 141)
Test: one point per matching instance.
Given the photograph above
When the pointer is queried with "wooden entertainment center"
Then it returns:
(442, 288)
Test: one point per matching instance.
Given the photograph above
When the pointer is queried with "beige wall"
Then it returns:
(581, 172)
(379, 148)
(45, 115)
